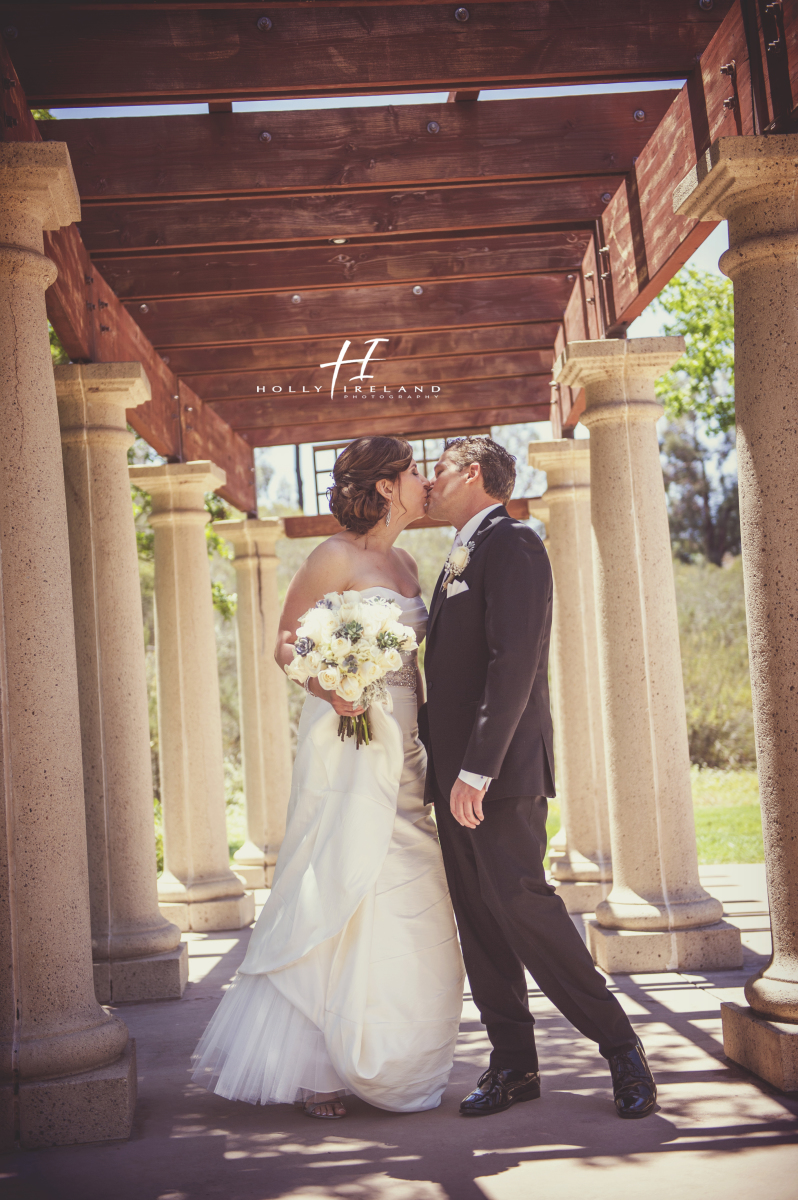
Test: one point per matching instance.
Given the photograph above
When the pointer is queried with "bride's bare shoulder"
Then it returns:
(408, 561)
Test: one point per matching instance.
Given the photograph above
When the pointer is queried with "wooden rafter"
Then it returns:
(410, 145)
(209, 272)
(147, 53)
(355, 311)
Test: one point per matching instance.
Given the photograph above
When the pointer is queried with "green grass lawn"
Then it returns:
(727, 821)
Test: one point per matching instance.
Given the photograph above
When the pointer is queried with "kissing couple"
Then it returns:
(353, 979)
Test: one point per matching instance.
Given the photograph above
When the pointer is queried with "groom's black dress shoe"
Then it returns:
(633, 1084)
(497, 1090)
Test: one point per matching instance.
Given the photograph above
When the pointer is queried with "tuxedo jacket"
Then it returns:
(486, 667)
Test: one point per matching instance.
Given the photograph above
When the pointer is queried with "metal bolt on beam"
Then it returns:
(296, 298)
(729, 68)
(706, 5)
(144, 308)
(640, 114)
(433, 127)
(418, 290)
(606, 197)
(265, 137)
(461, 14)
(264, 24)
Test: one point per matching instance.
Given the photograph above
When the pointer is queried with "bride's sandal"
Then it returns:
(325, 1110)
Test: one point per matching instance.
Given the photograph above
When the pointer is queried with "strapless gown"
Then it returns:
(353, 979)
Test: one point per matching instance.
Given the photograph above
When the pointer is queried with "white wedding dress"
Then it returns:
(353, 979)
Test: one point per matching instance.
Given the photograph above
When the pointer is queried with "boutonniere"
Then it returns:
(457, 562)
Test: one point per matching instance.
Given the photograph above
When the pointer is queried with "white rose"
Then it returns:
(392, 660)
(334, 599)
(349, 688)
(353, 598)
(340, 646)
(329, 678)
(458, 559)
(369, 671)
(314, 661)
(297, 670)
(371, 619)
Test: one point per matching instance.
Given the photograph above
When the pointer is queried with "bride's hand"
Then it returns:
(344, 708)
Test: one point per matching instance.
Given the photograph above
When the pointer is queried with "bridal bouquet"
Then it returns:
(350, 644)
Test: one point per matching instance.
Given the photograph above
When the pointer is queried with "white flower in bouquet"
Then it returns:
(350, 645)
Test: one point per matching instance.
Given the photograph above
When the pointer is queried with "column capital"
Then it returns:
(252, 538)
(37, 191)
(566, 462)
(94, 397)
(618, 375)
(736, 171)
(749, 181)
(179, 487)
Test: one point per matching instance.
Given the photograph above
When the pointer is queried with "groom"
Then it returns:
(488, 732)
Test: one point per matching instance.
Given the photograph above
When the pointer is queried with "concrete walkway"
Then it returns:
(719, 1132)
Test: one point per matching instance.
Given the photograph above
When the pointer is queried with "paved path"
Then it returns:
(719, 1133)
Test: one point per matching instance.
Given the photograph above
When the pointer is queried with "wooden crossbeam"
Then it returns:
(227, 154)
(209, 272)
(125, 53)
(195, 361)
(326, 524)
(356, 311)
(375, 213)
(236, 385)
(358, 425)
(471, 397)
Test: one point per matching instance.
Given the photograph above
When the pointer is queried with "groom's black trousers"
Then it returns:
(509, 918)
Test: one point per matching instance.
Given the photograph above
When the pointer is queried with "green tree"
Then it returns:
(698, 443)
(699, 306)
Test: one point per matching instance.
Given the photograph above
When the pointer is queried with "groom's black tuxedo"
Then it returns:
(488, 712)
(486, 666)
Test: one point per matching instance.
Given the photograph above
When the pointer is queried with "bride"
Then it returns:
(353, 979)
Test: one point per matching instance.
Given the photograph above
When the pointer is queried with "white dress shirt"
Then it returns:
(461, 539)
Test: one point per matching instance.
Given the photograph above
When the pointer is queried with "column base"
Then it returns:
(630, 951)
(581, 896)
(768, 1049)
(96, 1106)
(202, 916)
(157, 977)
(251, 877)
(269, 874)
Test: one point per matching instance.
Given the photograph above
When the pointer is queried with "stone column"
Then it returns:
(581, 862)
(67, 1069)
(263, 698)
(657, 916)
(137, 952)
(751, 181)
(197, 889)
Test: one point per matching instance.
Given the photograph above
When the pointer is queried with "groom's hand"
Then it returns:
(466, 804)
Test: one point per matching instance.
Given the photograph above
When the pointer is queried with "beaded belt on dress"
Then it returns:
(405, 676)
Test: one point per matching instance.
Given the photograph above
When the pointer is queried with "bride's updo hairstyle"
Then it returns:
(354, 500)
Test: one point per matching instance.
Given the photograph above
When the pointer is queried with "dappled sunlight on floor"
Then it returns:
(718, 1132)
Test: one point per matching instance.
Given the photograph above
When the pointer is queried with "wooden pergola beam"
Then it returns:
(376, 213)
(469, 399)
(129, 53)
(354, 312)
(236, 385)
(196, 361)
(326, 524)
(412, 145)
(208, 272)
(356, 426)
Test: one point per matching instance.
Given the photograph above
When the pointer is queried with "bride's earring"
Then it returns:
(388, 518)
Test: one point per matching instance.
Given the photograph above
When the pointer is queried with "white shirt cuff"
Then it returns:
(476, 781)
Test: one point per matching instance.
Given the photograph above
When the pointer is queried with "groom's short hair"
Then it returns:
(496, 463)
